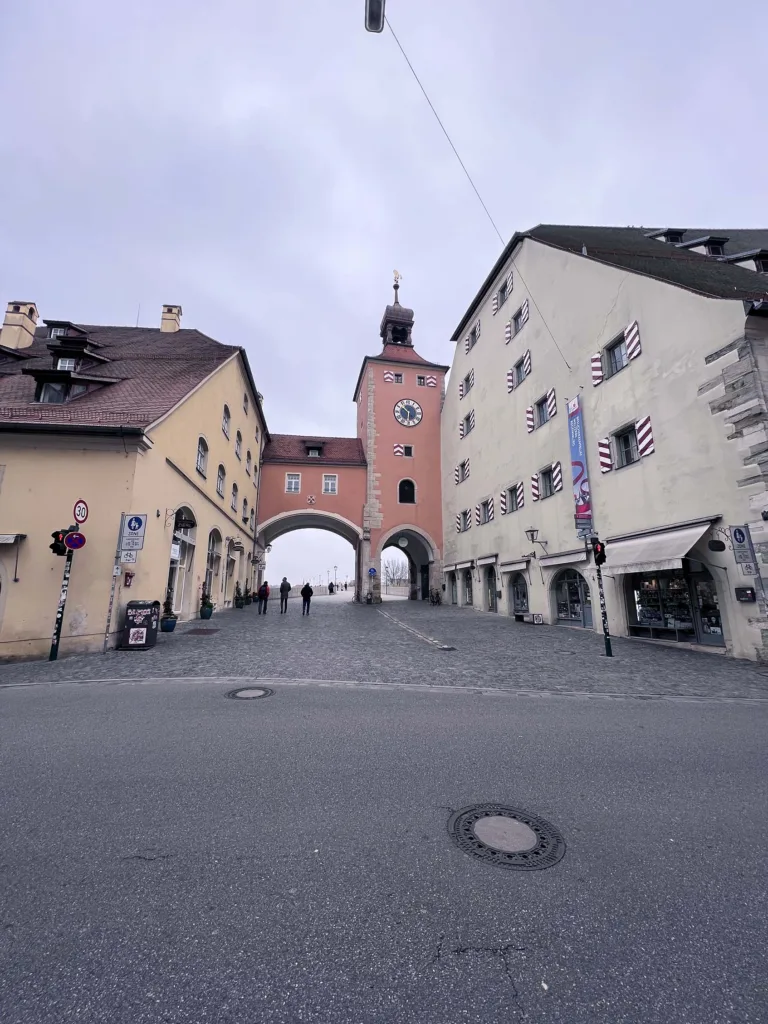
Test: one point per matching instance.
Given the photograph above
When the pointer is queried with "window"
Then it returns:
(406, 492)
(76, 389)
(473, 336)
(53, 394)
(252, 520)
(485, 512)
(546, 484)
(408, 451)
(256, 433)
(466, 520)
(233, 502)
(542, 412)
(221, 477)
(469, 380)
(715, 249)
(66, 364)
(762, 266)
(248, 462)
(398, 378)
(225, 421)
(55, 332)
(518, 321)
(245, 510)
(463, 470)
(503, 295)
(512, 502)
(245, 404)
(626, 447)
(616, 357)
(239, 445)
(674, 237)
(202, 456)
(519, 372)
(330, 483)
(313, 453)
(292, 483)
(421, 382)
(468, 423)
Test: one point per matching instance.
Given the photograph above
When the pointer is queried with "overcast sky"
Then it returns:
(268, 169)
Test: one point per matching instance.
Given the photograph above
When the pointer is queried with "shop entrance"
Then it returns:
(454, 588)
(467, 586)
(573, 599)
(676, 604)
(490, 588)
(518, 595)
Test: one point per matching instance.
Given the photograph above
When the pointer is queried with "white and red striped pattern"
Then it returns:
(557, 476)
(389, 377)
(632, 339)
(510, 282)
(527, 362)
(471, 419)
(520, 495)
(535, 486)
(508, 331)
(511, 380)
(477, 329)
(466, 468)
(457, 474)
(597, 369)
(458, 522)
(477, 515)
(604, 455)
(461, 389)
(431, 382)
(469, 518)
(398, 449)
(467, 345)
(503, 503)
(551, 403)
(490, 509)
(461, 428)
(495, 303)
(644, 433)
(524, 314)
(529, 420)
(471, 378)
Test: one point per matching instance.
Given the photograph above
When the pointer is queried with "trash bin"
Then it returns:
(140, 625)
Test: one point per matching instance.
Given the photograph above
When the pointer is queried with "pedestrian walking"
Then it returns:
(285, 589)
(306, 597)
(263, 596)
(330, 588)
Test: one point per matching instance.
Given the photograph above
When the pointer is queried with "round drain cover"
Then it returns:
(250, 693)
(507, 837)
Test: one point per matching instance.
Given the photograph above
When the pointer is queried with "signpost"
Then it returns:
(80, 511)
(579, 476)
(744, 554)
(74, 541)
(130, 539)
(371, 571)
(132, 532)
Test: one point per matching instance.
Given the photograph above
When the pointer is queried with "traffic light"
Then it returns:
(374, 15)
(59, 547)
(598, 549)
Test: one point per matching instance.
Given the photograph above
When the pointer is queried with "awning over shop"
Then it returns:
(514, 566)
(11, 538)
(465, 565)
(565, 558)
(448, 568)
(652, 552)
(486, 560)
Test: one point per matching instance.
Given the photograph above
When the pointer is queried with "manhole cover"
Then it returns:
(507, 837)
(250, 693)
(200, 632)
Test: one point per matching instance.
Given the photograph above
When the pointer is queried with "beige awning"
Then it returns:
(514, 566)
(465, 565)
(566, 558)
(653, 552)
(11, 538)
(487, 560)
(448, 568)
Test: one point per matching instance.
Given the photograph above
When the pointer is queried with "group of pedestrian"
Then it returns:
(262, 595)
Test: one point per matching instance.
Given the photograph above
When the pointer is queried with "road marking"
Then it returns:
(422, 636)
(356, 684)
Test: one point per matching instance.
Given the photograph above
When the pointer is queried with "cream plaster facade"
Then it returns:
(700, 377)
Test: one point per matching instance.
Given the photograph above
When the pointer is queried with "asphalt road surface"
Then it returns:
(172, 855)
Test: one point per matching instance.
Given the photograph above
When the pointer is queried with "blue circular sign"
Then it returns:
(739, 536)
(74, 541)
(371, 571)
(135, 523)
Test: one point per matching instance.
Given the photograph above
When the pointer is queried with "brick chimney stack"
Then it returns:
(19, 325)
(171, 319)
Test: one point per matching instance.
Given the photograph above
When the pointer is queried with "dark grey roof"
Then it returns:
(631, 249)
(738, 239)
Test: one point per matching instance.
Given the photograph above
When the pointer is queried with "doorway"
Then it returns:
(454, 588)
(490, 588)
(468, 586)
(424, 569)
(573, 599)
(518, 595)
(709, 623)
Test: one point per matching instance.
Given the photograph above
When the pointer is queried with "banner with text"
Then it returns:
(580, 477)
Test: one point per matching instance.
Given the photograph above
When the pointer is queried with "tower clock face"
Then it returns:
(408, 412)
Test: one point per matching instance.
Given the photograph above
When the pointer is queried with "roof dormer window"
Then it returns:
(715, 249)
(67, 363)
(52, 394)
(313, 453)
(673, 237)
(57, 332)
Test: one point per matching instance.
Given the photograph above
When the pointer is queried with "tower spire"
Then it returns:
(397, 287)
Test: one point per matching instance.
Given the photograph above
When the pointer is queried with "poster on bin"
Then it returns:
(580, 477)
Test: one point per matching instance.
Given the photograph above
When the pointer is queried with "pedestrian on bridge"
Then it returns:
(285, 589)
(306, 597)
(263, 596)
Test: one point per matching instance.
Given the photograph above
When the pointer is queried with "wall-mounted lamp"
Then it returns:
(532, 534)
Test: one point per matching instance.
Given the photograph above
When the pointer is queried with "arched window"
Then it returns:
(239, 445)
(245, 404)
(233, 503)
(252, 521)
(248, 462)
(406, 492)
(245, 510)
(202, 456)
(221, 477)
(213, 560)
(225, 421)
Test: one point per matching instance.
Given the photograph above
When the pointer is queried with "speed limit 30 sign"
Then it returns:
(80, 511)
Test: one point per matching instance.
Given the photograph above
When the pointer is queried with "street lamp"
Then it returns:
(334, 576)
(532, 534)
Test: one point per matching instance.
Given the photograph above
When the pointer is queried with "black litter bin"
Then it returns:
(140, 625)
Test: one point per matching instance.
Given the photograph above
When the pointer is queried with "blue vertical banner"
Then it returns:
(580, 477)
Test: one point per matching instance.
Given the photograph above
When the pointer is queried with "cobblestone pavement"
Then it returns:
(393, 643)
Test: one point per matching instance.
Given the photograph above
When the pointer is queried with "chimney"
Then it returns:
(171, 318)
(19, 325)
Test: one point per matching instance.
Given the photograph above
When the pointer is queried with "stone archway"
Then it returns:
(422, 554)
(313, 519)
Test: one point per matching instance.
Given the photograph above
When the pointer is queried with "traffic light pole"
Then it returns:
(603, 612)
(60, 610)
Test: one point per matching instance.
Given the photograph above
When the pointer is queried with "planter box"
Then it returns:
(167, 625)
(207, 612)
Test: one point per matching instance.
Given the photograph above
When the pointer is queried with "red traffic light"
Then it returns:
(598, 549)
(59, 546)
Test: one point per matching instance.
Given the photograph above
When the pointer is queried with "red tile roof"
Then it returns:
(336, 451)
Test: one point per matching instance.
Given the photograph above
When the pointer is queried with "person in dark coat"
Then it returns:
(285, 589)
(306, 597)
(263, 596)
(330, 588)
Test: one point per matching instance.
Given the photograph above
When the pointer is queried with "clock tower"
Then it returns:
(399, 396)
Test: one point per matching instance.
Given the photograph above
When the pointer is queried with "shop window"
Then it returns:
(616, 357)
(626, 447)
(202, 456)
(221, 477)
(546, 483)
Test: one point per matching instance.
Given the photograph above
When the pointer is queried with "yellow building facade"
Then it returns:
(162, 422)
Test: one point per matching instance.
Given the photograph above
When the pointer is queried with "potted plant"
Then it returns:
(168, 618)
(239, 599)
(247, 596)
(206, 605)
